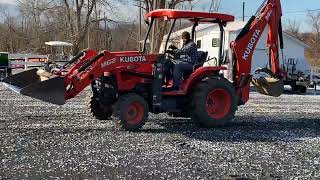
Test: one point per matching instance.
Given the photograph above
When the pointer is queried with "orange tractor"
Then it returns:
(130, 84)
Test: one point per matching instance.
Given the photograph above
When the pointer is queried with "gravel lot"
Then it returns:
(271, 138)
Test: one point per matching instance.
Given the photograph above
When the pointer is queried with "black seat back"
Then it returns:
(202, 57)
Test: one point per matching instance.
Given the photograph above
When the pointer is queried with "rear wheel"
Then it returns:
(303, 89)
(132, 111)
(294, 88)
(97, 110)
(214, 102)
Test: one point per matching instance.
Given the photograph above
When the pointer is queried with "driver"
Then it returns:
(185, 58)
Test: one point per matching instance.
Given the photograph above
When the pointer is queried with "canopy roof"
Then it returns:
(58, 43)
(191, 15)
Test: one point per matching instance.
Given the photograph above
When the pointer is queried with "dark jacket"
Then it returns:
(187, 53)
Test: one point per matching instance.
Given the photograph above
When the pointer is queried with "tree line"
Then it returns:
(312, 38)
(84, 23)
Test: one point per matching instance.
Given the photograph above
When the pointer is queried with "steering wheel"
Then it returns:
(172, 47)
(209, 59)
(170, 53)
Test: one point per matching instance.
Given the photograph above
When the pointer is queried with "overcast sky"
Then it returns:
(234, 7)
(8, 1)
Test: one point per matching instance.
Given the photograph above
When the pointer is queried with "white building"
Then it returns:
(208, 37)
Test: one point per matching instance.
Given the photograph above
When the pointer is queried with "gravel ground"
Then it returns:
(271, 138)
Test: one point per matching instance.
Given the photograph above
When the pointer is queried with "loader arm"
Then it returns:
(269, 14)
(109, 63)
(63, 84)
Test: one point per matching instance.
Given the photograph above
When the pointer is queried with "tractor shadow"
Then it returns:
(258, 129)
(288, 91)
(245, 128)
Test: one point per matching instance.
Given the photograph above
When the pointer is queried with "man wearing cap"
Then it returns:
(185, 58)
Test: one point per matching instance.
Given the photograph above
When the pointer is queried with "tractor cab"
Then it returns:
(195, 18)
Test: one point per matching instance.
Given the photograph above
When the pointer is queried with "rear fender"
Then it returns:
(200, 74)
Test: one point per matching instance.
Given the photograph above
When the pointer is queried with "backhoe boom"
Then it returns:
(243, 48)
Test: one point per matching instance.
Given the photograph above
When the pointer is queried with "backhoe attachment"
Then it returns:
(271, 86)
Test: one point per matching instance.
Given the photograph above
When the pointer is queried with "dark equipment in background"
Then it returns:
(5, 68)
(295, 78)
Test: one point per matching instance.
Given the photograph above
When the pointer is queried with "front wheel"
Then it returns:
(97, 110)
(214, 102)
(132, 111)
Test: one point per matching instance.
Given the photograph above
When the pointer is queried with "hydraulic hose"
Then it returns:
(90, 62)
(74, 58)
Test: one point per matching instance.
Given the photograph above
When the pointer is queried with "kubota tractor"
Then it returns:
(130, 84)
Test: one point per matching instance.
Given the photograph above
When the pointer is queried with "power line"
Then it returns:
(302, 11)
(290, 12)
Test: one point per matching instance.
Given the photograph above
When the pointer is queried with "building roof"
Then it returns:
(29, 56)
(231, 27)
(296, 39)
(58, 43)
(192, 15)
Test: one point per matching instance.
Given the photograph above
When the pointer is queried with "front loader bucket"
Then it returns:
(269, 86)
(29, 83)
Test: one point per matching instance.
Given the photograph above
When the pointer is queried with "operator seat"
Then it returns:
(198, 63)
(202, 59)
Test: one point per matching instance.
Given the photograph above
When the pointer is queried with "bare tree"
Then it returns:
(293, 28)
(81, 10)
(215, 5)
(75, 20)
(73, 17)
(33, 30)
(313, 39)
(68, 20)
(160, 26)
(192, 4)
(7, 40)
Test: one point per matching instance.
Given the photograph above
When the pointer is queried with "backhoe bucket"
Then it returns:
(39, 86)
(269, 86)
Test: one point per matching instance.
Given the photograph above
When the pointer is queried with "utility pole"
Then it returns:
(88, 36)
(243, 10)
(153, 36)
(106, 40)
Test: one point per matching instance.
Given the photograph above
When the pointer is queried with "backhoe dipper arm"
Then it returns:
(243, 47)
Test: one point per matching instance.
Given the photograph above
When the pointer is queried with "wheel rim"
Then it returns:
(218, 103)
(134, 113)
